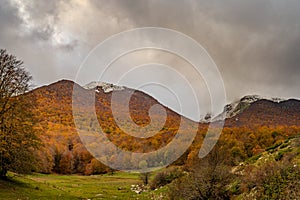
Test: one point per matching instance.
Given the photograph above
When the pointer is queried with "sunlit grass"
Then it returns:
(41, 186)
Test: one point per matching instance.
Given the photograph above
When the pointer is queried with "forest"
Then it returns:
(38, 135)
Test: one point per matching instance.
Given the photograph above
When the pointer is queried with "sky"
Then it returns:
(255, 44)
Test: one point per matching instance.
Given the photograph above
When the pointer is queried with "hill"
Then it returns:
(64, 152)
(254, 126)
(263, 112)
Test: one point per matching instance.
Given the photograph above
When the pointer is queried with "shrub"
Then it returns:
(274, 180)
(279, 156)
(165, 177)
(253, 159)
(107, 131)
(235, 187)
(274, 146)
(284, 145)
(208, 178)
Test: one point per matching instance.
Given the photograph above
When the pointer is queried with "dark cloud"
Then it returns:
(256, 44)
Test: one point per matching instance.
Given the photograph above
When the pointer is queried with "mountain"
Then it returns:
(64, 152)
(252, 121)
(237, 107)
(256, 111)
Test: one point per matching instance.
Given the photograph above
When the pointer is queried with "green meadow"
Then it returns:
(42, 186)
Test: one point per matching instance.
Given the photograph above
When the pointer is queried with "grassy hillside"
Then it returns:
(272, 174)
(40, 186)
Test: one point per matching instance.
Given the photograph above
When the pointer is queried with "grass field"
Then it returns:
(41, 186)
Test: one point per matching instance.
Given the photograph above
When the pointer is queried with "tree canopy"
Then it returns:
(17, 135)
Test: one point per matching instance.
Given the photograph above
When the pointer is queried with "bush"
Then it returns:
(253, 159)
(279, 155)
(165, 177)
(95, 167)
(275, 180)
(208, 178)
(274, 146)
(107, 131)
(235, 187)
(284, 145)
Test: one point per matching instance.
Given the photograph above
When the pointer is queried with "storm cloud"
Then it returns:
(255, 44)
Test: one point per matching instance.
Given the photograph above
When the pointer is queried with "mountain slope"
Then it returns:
(64, 152)
(264, 112)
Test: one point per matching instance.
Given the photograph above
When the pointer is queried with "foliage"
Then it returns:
(17, 134)
(275, 176)
(253, 159)
(247, 135)
(208, 178)
(274, 180)
(165, 177)
(273, 146)
(95, 167)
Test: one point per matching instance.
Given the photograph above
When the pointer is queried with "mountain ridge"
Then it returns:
(64, 152)
(230, 110)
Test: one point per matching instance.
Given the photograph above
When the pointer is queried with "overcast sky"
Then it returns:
(255, 44)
